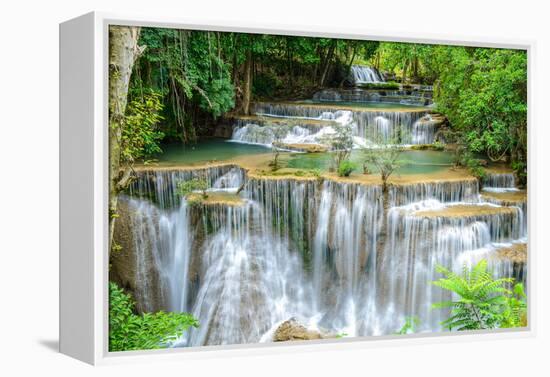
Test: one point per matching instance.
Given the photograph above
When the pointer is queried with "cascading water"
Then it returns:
(499, 182)
(324, 252)
(403, 127)
(363, 74)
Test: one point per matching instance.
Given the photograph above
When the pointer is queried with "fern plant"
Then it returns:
(515, 313)
(482, 300)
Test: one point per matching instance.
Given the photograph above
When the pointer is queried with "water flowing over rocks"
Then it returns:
(324, 251)
(389, 96)
(361, 74)
(302, 123)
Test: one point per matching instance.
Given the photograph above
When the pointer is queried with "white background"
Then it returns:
(29, 183)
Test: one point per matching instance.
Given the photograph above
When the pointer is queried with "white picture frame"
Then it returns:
(84, 192)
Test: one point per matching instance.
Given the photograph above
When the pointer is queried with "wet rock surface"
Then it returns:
(293, 330)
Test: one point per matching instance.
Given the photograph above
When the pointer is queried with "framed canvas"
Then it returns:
(250, 189)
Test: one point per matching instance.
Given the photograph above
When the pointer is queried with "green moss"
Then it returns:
(390, 85)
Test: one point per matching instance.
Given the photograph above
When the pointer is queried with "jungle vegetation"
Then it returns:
(199, 77)
(131, 331)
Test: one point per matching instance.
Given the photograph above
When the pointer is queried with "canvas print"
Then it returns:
(276, 188)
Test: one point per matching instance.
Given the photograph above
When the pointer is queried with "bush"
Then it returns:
(483, 302)
(129, 331)
(463, 157)
(438, 146)
(265, 85)
(390, 85)
(185, 188)
(345, 168)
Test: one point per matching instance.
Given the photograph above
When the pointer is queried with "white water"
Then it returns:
(367, 127)
(364, 74)
(305, 250)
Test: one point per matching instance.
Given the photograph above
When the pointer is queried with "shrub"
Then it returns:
(438, 146)
(129, 331)
(185, 188)
(390, 85)
(345, 168)
(464, 157)
(483, 302)
(409, 327)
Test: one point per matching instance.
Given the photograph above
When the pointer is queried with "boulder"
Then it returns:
(293, 330)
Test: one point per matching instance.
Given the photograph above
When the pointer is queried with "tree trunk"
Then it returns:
(328, 59)
(123, 52)
(348, 67)
(382, 236)
(247, 89)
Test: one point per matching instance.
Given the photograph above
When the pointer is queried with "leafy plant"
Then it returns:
(340, 143)
(438, 146)
(411, 323)
(185, 188)
(140, 136)
(515, 313)
(464, 157)
(390, 85)
(385, 159)
(129, 331)
(345, 168)
(483, 302)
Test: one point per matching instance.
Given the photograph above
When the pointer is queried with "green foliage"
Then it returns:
(482, 91)
(140, 135)
(340, 143)
(129, 331)
(266, 84)
(385, 159)
(515, 312)
(345, 168)
(184, 188)
(436, 146)
(464, 157)
(483, 302)
(390, 85)
(409, 327)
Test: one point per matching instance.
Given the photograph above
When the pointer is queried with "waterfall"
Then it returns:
(250, 279)
(499, 181)
(364, 74)
(344, 268)
(419, 243)
(160, 185)
(360, 95)
(162, 241)
(309, 250)
(407, 127)
(465, 190)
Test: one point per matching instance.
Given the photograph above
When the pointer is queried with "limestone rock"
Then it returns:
(293, 330)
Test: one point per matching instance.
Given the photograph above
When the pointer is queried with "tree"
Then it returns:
(385, 158)
(123, 52)
(340, 142)
(129, 331)
(483, 302)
